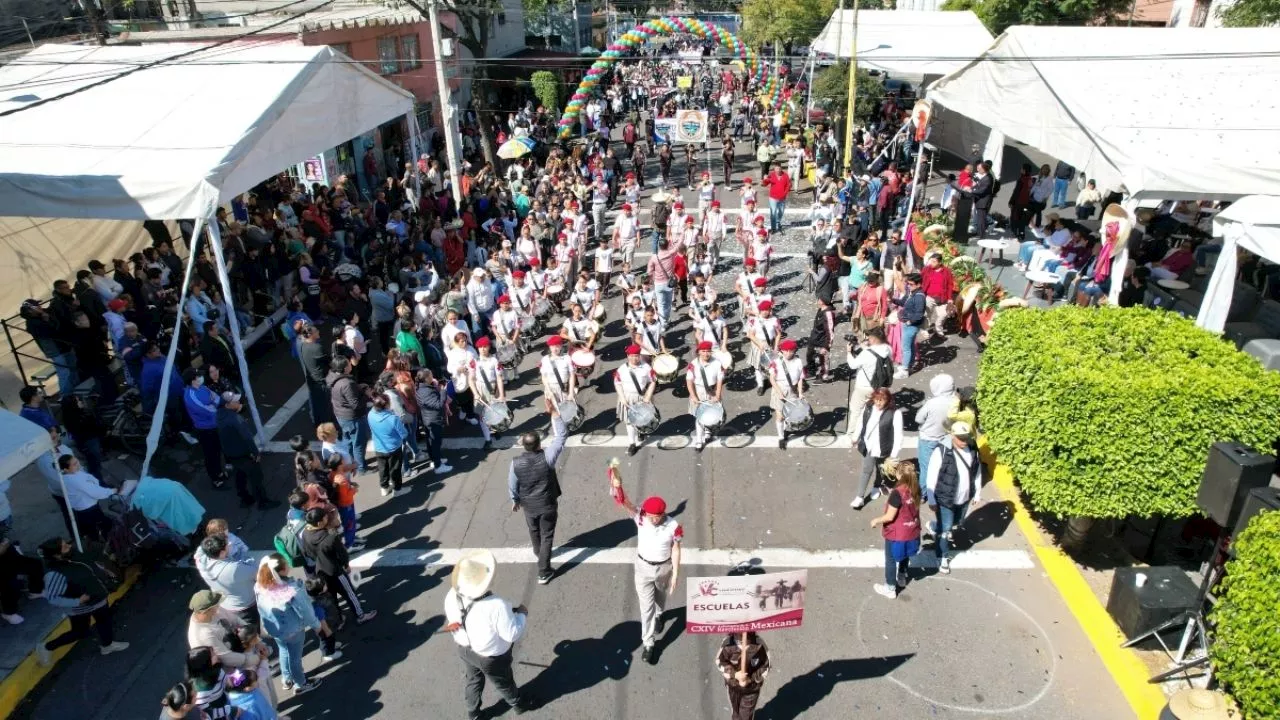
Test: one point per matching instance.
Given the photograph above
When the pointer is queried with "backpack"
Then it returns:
(882, 376)
(288, 542)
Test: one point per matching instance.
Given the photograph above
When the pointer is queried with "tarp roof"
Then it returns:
(176, 140)
(904, 42)
(1170, 113)
(21, 442)
(1252, 223)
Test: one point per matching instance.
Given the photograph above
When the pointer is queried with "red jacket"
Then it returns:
(779, 184)
(938, 283)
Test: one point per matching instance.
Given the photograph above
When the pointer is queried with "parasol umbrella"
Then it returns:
(516, 148)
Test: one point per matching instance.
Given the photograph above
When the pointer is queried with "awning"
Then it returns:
(1252, 223)
(905, 43)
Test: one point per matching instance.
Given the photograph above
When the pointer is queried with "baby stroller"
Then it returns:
(136, 539)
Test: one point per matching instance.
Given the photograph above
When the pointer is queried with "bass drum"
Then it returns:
(666, 367)
(797, 414)
(497, 416)
(572, 413)
(709, 415)
(725, 358)
(644, 417)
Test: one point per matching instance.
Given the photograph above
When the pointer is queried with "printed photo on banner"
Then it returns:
(749, 603)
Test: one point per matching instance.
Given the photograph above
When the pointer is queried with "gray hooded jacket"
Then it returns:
(932, 415)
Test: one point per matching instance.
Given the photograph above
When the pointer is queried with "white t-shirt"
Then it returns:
(714, 374)
(654, 542)
(766, 330)
(604, 259)
(626, 226)
(550, 366)
(650, 336)
(459, 363)
(787, 374)
(633, 382)
(507, 322)
(492, 627)
(486, 370)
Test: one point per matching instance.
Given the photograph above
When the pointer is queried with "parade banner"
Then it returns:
(688, 126)
(684, 81)
(747, 603)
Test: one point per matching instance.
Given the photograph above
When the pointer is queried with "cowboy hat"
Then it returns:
(661, 196)
(474, 573)
(1116, 225)
(1198, 704)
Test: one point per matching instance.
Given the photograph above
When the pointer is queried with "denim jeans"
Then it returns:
(348, 515)
(91, 448)
(892, 568)
(412, 441)
(1060, 191)
(435, 438)
(777, 210)
(291, 659)
(1026, 250)
(666, 295)
(355, 438)
(908, 345)
(1204, 251)
(64, 365)
(949, 516)
(924, 451)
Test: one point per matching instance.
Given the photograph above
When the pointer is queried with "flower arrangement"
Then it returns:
(938, 230)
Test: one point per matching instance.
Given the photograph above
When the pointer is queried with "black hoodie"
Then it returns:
(324, 548)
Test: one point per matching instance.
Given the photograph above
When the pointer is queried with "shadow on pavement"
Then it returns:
(990, 520)
(802, 692)
(582, 664)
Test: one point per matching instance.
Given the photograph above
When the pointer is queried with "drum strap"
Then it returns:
(787, 374)
(636, 383)
(768, 336)
(490, 383)
(702, 370)
(652, 343)
(564, 388)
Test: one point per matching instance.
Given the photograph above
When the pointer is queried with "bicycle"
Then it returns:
(129, 425)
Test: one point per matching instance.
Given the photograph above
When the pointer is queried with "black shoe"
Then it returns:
(545, 577)
(782, 443)
(268, 504)
(246, 502)
(488, 445)
(647, 654)
(632, 449)
(760, 390)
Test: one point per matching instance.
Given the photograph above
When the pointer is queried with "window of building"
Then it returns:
(502, 18)
(410, 54)
(344, 48)
(388, 63)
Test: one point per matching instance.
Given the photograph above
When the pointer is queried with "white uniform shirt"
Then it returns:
(492, 626)
(650, 336)
(506, 322)
(766, 330)
(550, 366)
(563, 253)
(745, 282)
(714, 225)
(459, 363)
(633, 382)
(580, 330)
(710, 330)
(604, 259)
(485, 372)
(761, 249)
(521, 298)
(584, 296)
(787, 374)
(713, 373)
(627, 227)
(654, 542)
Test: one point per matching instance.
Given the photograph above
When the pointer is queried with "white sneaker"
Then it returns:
(472, 421)
(191, 439)
(901, 373)
(944, 566)
(858, 502)
(875, 494)
(443, 468)
(337, 655)
(885, 590)
(114, 647)
(385, 492)
(43, 656)
(14, 619)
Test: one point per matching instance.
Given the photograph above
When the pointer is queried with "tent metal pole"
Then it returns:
(215, 244)
(413, 162)
(157, 420)
(916, 186)
(71, 514)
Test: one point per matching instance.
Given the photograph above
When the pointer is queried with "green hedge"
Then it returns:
(1110, 412)
(1246, 645)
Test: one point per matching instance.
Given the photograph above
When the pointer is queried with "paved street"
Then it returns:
(993, 639)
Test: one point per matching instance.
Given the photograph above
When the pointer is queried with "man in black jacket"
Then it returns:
(80, 587)
(983, 195)
(315, 360)
(350, 408)
(240, 448)
(321, 542)
(215, 349)
(534, 486)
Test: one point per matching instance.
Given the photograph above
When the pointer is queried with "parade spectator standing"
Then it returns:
(872, 369)
(78, 586)
(240, 445)
(315, 361)
(535, 488)
(14, 563)
(932, 419)
(779, 184)
(351, 408)
(202, 408)
(286, 616)
(322, 544)
(389, 436)
(879, 439)
(900, 526)
(956, 475)
(485, 627)
(229, 571)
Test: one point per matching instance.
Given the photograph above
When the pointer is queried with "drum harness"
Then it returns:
(706, 386)
(652, 344)
(564, 387)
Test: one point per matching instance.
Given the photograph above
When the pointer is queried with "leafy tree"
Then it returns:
(998, 15)
(1246, 645)
(1250, 13)
(831, 87)
(778, 22)
(546, 87)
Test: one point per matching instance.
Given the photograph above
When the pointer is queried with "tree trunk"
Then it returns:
(480, 96)
(1076, 533)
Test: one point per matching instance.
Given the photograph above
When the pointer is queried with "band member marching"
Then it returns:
(485, 379)
(522, 295)
(706, 194)
(649, 335)
(579, 330)
(657, 567)
(559, 383)
(762, 250)
(626, 233)
(744, 286)
(704, 379)
(713, 231)
(506, 323)
(743, 660)
(786, 374)
(749, 220)
(764, 331)
(634, 382)
(712, 328)
(586, 293)
(604, 257)
(459, 360)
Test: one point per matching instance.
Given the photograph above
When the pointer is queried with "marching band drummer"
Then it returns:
(649, 335)
(705, 381)
(626, 234)
(764, 331)
(714, 228)
(676, 223)
(786, 374)
(745, 284)
(579, 330)
(506, 323)
(537, 278)
(627, 281)
(559, 383)
(527, 247)
(521, 294)
(759, 294)
(699, 303)
(486, 384)
(712, 328)
(458, 361)
(585, 293)
(706, 194)
(634, 382)
(634, 317)
(553, 275)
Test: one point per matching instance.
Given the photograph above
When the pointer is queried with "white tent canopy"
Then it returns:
(1252, 223)
(1169, 113)
(904, 43)
(21, 442)
(176, 140)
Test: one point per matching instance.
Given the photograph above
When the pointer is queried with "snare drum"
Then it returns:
(497, 416)
(725, 358)
(541, 309)
(556, 292)
(572, 414)
(709, 415)
(643, 417)
(666, 367)
(766, 361)
(597, 313)
(797, 414)
(584, 363)
(508, 354)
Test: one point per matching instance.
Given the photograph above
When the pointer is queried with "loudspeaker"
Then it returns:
(1259, 499)
(1231, 472)
(1165, 594)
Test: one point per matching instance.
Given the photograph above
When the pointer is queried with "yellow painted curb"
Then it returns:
(1128, 671)
(29, 672)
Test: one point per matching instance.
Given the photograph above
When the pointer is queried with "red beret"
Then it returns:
(679, 204)
(688, 220)
(749, 262)
(762, 233)
(765, 305)
(555, 340)
(746, 180)
(519, 273)
(633, 349)
(504, 299)
(534, 262)
(788, 344)
(654, 505)
(705, 345)
(715, 203)
(482, 342)
(760, 282)
(626, 207)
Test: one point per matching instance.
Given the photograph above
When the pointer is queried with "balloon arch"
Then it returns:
(641, 34)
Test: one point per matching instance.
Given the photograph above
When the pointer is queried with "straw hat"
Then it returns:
(1115, 219)
(661, 196)
(1197, 704)
(474, 573)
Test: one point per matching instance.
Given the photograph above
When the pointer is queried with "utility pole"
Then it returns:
(446, 105)
(27, 27)
(853, 88)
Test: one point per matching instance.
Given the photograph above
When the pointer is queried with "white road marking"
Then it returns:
(765, 441)
(285, 413)
(771, 558)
